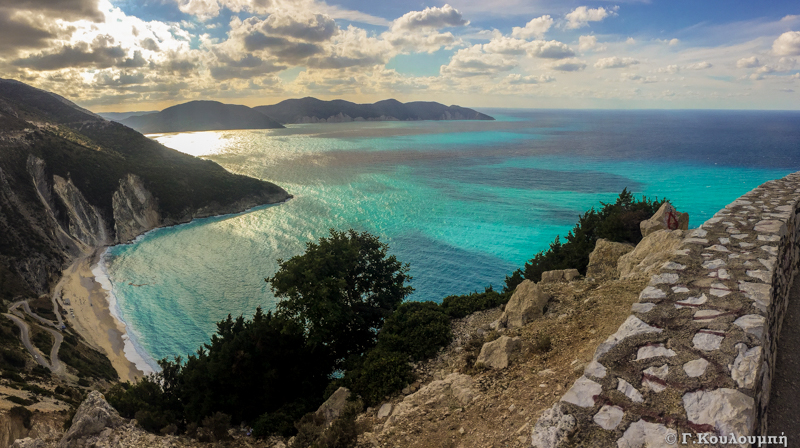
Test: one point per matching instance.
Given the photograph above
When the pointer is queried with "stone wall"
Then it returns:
(697, 354)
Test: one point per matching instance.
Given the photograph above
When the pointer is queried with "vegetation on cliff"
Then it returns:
(200, 116)
(617, 221)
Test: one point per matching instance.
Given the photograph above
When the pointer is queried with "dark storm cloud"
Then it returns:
(62, 9)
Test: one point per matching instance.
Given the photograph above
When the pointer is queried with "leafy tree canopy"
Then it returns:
(341, 290)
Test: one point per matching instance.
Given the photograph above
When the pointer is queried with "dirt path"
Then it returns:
(784, 406)
(55, 365)
(26, 340)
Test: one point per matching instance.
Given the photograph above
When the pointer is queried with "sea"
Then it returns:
(464, 203)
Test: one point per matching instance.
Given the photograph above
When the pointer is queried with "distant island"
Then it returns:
(201, 116)
(213, 115)
(312, 110)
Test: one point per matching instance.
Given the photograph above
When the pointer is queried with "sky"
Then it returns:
(126, 55)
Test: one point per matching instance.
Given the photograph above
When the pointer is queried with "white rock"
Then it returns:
(714, 264)
(740, 236)
(746, 245)
(769, 238)
(642, 307)
(582, 392)
(385, 410)
(695, 368)
(695, 241)
(724, 275)
(745, 366)
(642, 434)
(758, 292)
(770, 250)
(768, 226)
(719, 248)
(629, 391)
(727, 410)
(699, 233)
(769, 264)
(671, 265)
(699, 300)
(764, 276)
(653, 351)
(752, 324)
(682, 252)
(669, 278)
(609, 417)
(658, 372)
(724, 241)
(595, 369)
(707, 341)
(631, 327)
(552, 428)
(651, 292)
(680, 289)
(706, 314)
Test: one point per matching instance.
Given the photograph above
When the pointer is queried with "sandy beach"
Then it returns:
(92, 317)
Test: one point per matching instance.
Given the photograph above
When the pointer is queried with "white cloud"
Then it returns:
(550, 49)
(615, 62)
(506, 45)
(430, 18)
(569, 65)
(587, 42)
(750, 62)
(699, 65)
(517, 79)
(472, 61)
(787, 44)
(582, 15)
(638, 78)
(673, 42)
(671, 69)
(202, 9)
(535, 28)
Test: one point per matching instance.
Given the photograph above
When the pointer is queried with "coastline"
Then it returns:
(86, 284)
(89, 313)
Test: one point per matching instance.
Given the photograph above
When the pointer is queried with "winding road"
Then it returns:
(55, 365)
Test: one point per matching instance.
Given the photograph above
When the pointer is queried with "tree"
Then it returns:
(341, 290)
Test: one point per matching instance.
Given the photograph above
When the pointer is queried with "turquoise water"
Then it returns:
(464, 203)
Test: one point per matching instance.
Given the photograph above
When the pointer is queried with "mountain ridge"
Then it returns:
(200, 115)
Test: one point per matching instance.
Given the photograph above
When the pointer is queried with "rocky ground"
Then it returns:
(460, 405)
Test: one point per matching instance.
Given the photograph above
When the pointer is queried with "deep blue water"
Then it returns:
(464, 203)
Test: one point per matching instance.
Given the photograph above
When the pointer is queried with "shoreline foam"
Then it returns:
(133, 351)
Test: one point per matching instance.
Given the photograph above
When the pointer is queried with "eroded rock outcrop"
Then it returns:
(525, 304)
(666, 218)
(561, 275)
(85, 222)
(497, 354)
(456, 389)
(135, 209)
(603, 259)
(649, 255)
(334, 405)
(93, 416)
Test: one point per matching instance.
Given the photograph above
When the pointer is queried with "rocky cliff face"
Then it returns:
(135, 209)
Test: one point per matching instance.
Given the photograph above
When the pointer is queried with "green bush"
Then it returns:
(464, 305)
(418, 329)
(280, 422)
(23, 413)
(618, 221)
(380, 373)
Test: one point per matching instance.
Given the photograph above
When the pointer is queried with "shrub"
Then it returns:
(22, 413)
(418, 329)
(464, 305)
(218, 425)
(380, 373)
(618, 221)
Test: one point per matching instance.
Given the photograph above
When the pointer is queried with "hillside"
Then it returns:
(312, 110)
(200, 116)
(117, 116)
(71, 181)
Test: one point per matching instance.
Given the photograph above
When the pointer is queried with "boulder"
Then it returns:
(666, 218)
(454, 390)
(649, 255)
(561, 275)
(526, 304)
(385, 410)
(603, 259)
(496, 354)
(92, 417)
(333, 406)
(27, 442)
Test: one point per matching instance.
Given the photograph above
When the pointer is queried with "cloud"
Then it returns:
(787, 44)
(615, 62)
(307, 27)
(248, 66)
(430, 18)
(569, 65)
(550, 49)
(62, 9)
(202, 9)
(582, 15)
(420, 41)
(587, 42)
(750, 62)
(699, 65)
(671, 69)
(638, 78)
(99, 54)
(506, 45)
(535, 28)
(469, 62)
(517, 79)
(353, 47)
